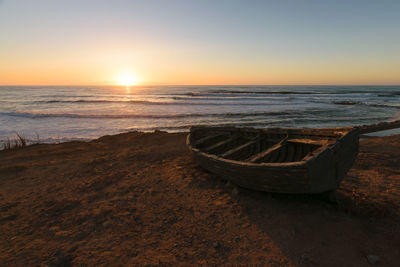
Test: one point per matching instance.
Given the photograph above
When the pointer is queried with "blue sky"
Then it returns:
(218, 42)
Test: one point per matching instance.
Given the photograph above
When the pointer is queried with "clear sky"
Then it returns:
(80, 42)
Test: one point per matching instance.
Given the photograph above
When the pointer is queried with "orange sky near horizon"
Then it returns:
(87, 74)
(104, 67)
(198, 44)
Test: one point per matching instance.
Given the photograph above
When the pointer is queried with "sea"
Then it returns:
(53, 114)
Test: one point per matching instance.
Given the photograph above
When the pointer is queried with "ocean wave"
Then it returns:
(207, 97)
(188, 126)
(233, 92)
(277, 122)
(96, 101)
(178, 101)
(388, 94)
(253, 117)
(144, 116)
(324, 92)
(352, 103)
(348, 103)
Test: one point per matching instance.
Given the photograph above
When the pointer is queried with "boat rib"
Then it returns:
(258, 157)
(238, 149)
(206, 138)
(214, 147)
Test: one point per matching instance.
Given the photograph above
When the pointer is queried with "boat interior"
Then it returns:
(259, 146)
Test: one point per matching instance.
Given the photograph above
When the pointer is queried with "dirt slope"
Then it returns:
(141, 199)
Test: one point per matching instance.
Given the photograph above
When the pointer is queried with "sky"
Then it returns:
(99, 42)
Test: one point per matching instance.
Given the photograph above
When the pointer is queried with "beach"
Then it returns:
(140, 198)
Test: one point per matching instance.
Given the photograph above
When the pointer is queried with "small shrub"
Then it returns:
(7, 145)
(18, 142)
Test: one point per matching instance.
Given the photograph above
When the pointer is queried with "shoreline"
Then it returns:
(140, 198)
(74, 113)
(59, 140)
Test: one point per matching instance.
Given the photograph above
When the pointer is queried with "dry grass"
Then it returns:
(18, 142)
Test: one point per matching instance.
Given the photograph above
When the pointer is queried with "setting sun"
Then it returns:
(126, 79)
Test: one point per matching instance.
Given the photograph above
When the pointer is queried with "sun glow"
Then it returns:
(126, 79)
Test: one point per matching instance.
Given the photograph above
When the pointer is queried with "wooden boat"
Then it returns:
(278, 159)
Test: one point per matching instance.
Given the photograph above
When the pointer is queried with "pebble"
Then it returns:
(373, 259)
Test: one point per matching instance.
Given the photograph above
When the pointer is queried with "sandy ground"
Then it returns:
(136, 199)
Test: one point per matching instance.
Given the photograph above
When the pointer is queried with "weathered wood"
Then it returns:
(312, 165)
(313, 153)
(382, 126)
(265, 153)
(219, 144)
(299, 152)
(239, 148)
(282, 154)
(205, 139)
(290, 153)
(321, 142)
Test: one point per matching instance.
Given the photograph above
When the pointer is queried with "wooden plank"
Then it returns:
(290, 154)
(282, 154)
(379, 127)
(283, 179)
(239, 148)
(299, 152)
(313, 153)
(219, 144)
(320, 142)
(272, 157)
(205, 139)
(265, 153)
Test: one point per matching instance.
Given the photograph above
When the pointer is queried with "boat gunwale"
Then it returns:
(336, 132)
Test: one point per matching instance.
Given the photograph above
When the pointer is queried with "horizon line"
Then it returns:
(139, 85)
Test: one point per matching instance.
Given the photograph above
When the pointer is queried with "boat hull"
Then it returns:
(320, 173)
